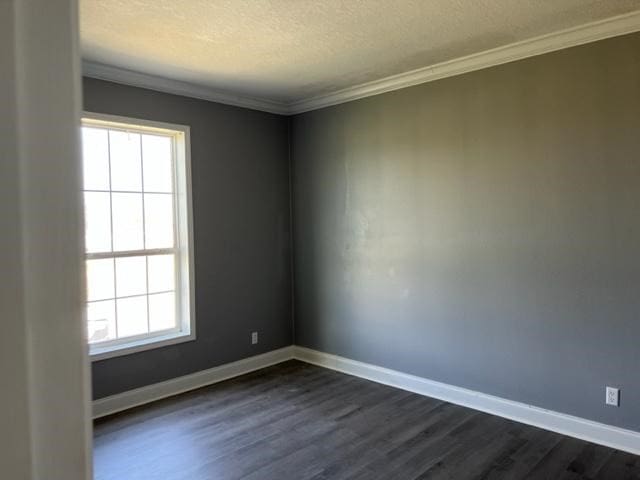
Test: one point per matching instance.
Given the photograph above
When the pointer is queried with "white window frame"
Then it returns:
(183, 221)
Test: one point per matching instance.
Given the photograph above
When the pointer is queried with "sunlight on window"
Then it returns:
(131, 232)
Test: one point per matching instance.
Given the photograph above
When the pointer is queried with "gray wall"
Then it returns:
(482, 230)
(241, 234)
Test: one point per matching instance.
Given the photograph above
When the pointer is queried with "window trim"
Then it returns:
(186, 332)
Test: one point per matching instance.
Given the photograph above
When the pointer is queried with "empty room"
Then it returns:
(318, 240)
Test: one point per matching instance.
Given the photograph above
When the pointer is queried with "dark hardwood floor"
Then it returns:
(297, 421)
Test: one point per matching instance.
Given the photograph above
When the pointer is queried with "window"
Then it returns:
(137, 209)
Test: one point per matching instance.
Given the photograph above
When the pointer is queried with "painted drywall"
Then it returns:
(482, 230)
(240, 172)
(15, 448)
(44, 402)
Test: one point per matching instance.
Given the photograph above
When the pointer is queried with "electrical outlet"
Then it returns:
(613, 396)
(254, 338)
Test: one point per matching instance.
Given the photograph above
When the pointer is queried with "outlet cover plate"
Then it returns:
(613, 396)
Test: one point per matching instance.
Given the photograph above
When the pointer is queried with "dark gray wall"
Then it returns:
(482, 230)
(241, 233)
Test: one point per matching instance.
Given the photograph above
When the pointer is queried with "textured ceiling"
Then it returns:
(289, 50)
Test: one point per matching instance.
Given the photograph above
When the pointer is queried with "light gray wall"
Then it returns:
(482, 230)
(44, 400)
(240, 174)
(15, 448)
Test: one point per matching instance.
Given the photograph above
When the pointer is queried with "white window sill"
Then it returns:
(98, 352)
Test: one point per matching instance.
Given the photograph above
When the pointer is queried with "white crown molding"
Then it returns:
(590, 32)
(564, 424)
(157, 391)
(161, 84)
(571, 37)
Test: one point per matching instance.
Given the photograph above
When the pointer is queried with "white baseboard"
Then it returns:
(602, 434)
(140, 396)
(610, 436)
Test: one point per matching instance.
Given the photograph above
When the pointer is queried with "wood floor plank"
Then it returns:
(300, 422)
(516, 465)
(621, 466)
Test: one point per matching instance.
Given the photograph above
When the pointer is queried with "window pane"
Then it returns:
(158, 216)
(95, 155)
(161, 273)
(127, 221)
(100, 279)
(162, 311)
(126, 165)
(97, 222)
(132, 316)
(131, 276)
(130, 183)
(101, 320)
(156, 161)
